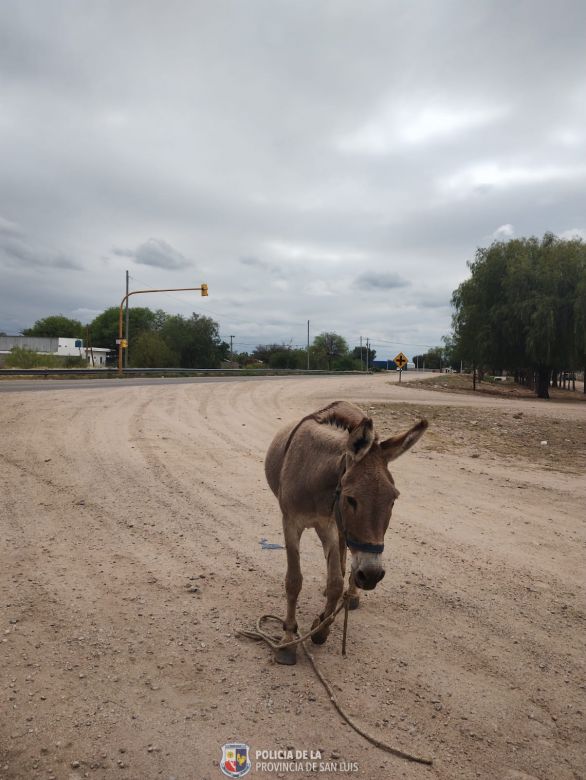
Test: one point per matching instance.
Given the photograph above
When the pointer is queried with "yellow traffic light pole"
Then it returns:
(121, 342)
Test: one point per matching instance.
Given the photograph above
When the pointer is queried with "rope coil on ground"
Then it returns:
(261, 635)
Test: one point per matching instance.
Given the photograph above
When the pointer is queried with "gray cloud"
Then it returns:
(380, 280)
(286, 181)
(155, 252)
(257, 264)
(17, 250)
(121, 252)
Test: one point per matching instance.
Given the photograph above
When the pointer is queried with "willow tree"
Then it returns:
(580, 316)
(520, 309)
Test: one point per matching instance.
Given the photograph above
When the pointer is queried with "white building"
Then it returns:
(95, 357)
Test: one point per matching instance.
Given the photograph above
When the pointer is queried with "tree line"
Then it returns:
(328, 352)
(162, 340)
(157, 339)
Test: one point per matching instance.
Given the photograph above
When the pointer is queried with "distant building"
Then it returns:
(64, 347)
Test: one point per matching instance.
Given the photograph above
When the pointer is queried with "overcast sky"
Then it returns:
(333, 161)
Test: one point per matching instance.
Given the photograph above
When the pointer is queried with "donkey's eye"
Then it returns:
(352, 501)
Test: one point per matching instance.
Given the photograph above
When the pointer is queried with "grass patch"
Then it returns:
(22, 357)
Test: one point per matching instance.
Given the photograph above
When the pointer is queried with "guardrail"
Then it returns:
(165, 372)
(54, 371)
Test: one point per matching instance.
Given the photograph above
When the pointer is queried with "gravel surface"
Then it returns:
(131, 523)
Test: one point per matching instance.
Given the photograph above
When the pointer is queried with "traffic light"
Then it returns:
(204, 290)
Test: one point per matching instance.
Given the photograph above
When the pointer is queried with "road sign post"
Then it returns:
(401, 361)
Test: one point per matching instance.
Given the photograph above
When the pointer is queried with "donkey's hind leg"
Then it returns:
(328, 534)
(293, 582)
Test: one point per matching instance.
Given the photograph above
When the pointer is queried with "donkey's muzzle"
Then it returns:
(368, 577)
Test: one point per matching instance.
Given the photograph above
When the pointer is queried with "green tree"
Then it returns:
(150, 350)
(519, 310)
(431, 359)
(439, 357)
(580, 317)
(104, 328)
(196, 340)
(288, 358)
(242, 358)
(264, 352)
(347, 363)
(356, 354)
(280, 356)
(330, 346)
(56, 325)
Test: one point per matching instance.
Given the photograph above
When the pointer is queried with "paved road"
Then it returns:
(18, 385)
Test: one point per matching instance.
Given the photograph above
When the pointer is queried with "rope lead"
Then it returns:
(259, 634)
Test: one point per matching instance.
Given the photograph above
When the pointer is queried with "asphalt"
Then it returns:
(40, 384)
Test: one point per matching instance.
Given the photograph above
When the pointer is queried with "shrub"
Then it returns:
(21, 357)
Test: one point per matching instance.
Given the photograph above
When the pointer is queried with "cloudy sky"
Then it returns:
(333, 161)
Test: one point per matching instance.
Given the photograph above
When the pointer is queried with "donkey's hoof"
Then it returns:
(353, 602)
(320, 637)
(286, 656)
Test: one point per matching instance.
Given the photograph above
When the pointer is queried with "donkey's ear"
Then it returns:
(360, 439)
(397, 445)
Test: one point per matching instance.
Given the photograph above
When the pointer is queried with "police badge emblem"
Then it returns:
(235, 759)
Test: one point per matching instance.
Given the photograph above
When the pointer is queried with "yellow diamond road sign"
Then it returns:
(401, 360)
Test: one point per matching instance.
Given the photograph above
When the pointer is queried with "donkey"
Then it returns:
(329, 471)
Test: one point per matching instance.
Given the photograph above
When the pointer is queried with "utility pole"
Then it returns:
(127, 322)
(361, 356)
(232, 348)
(308, 345)
(367, 353)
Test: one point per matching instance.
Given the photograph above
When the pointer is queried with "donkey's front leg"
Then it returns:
(328, 534)
(293, 582)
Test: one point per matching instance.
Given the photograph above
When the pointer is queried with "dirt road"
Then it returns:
(131, 523)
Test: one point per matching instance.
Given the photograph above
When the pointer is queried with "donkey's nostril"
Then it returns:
(381, 575)
(360, 578)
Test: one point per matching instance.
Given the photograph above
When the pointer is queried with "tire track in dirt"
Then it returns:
(444, 655)
(91, 574)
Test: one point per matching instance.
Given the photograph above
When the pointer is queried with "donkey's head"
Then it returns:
(367, 493)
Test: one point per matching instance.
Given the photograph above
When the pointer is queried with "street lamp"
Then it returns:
(122, 343)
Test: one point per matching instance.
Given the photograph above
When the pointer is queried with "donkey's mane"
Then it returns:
(339, 414)
(342, 414)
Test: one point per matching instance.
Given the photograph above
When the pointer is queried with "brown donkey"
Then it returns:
(329, 471)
